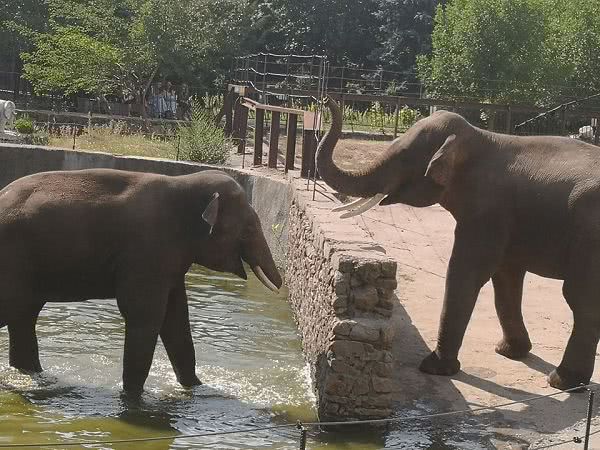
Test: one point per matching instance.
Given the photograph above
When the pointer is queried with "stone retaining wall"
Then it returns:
(340, 283)
(341, 289)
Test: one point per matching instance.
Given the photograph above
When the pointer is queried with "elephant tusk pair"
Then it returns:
(263, 278)
(360, 206)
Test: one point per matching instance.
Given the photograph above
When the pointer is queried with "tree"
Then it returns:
(489, 50)
(70, 61)
(404, 33)
(343, 30)
(573, 43)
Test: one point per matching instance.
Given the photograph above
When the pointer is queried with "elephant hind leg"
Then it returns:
(581, 289)
(508, 293)
(23, 344)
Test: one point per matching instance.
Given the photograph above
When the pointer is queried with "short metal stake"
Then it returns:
(302, 435)
(589, 420)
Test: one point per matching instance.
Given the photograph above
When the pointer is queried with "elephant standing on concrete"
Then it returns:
(521, 204)
(78, 235)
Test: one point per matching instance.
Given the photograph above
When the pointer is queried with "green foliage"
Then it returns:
(202, 140)
(514, 51)
(404, 33)
(24, 125)
(487, 49)
(70, 61)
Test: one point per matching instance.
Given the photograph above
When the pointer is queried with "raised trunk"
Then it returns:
(364, 183)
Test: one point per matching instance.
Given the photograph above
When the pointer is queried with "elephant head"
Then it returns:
(232, 232)
(413, 170)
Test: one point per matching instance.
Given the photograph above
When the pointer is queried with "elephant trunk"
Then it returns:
(364, 183)
(257, 254)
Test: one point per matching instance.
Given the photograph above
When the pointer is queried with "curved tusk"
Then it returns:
(351, 205)
(373, 201)
(263, 278)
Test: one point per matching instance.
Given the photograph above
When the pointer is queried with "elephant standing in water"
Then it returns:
(521, 204)
(91, 234)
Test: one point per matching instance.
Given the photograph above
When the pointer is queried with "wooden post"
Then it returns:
(508, 120)
(396, 119)
(243, 129)
(292, 129)
(237, 115)
(309, 144)
(274, 141)
(228, 106)
(258, 136)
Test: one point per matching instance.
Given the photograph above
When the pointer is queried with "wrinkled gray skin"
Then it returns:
(521, 204)
(90, 234)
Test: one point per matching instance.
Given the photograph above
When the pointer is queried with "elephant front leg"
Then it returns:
(477, 251)
(177, 338)
(508, 293)
(23, 344)
(143, 308)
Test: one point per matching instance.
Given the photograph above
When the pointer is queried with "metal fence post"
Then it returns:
(586, 443)
(302, 436)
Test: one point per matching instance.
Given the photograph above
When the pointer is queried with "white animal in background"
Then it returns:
(7, 114)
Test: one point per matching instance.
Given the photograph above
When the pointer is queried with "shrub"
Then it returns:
(201, 139)
(24, 125)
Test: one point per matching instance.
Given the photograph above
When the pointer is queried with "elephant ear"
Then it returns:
(443, 162)
(211, 212)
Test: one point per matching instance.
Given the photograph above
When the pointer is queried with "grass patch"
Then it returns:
(112, 140)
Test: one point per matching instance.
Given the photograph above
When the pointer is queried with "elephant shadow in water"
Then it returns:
(418, 393)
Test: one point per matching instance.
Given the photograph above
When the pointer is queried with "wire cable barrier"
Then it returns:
(302, 426)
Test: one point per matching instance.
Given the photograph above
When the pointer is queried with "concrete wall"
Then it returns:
(340, 283)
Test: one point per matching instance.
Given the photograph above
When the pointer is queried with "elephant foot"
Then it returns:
(189, 382)
(433, 365)
(514, 348)
(27, 367)
(563, 379)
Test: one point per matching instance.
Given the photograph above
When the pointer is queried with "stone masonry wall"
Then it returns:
(341, 289)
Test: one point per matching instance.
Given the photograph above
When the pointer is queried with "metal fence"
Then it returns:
(386, 102)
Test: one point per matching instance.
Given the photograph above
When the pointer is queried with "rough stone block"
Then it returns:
(365, 333)
(365, 298)
(368, 270)
(339, 366)
(343, 327)
(388, 331)
(383, 369)
(389, 268)
(389, 284)
(343, 263)
(361, 386)
(346, 349)
(382, 385)
(338, 384)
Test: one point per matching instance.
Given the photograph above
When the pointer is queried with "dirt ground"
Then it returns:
(420, 240)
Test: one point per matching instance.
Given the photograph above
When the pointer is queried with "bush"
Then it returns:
(201, 140)
(24, 125)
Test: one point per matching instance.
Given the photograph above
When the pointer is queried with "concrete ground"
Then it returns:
(420, 240)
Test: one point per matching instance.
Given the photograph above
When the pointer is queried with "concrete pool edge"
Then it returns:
(341, 284)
